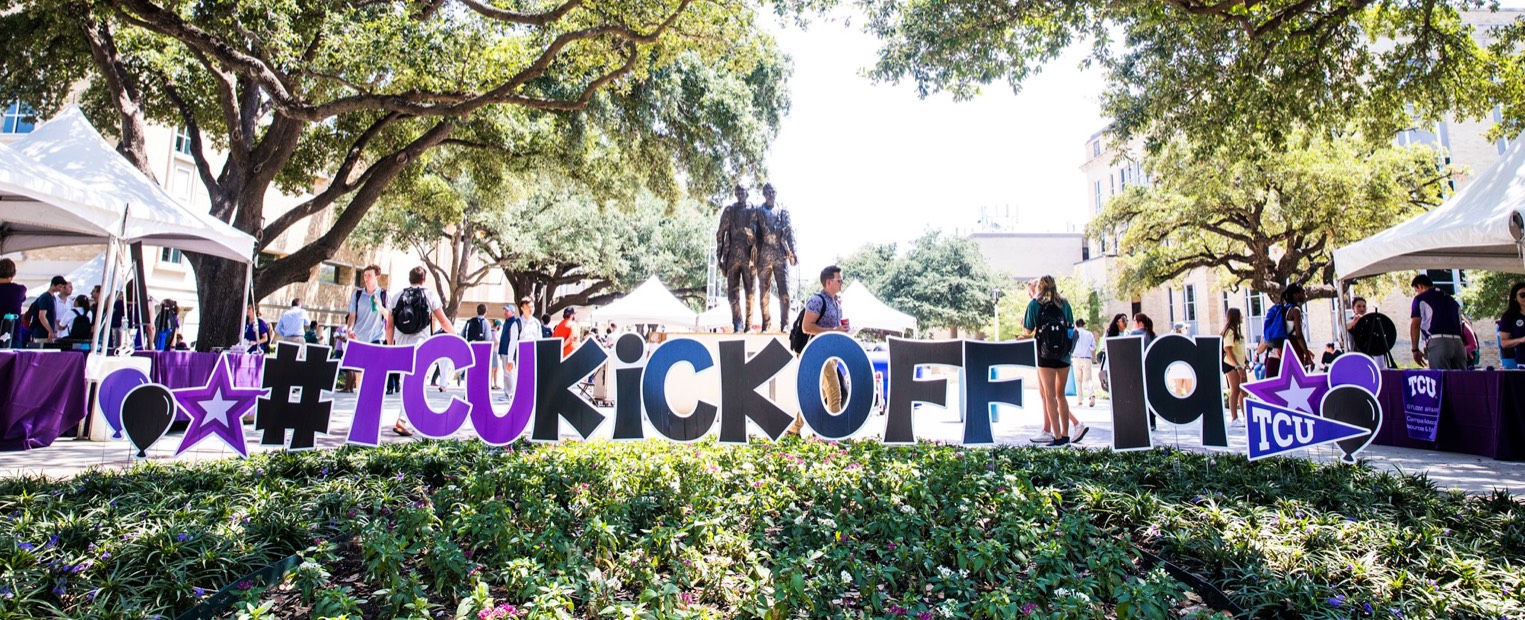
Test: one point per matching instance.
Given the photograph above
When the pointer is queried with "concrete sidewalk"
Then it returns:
(1014, 426)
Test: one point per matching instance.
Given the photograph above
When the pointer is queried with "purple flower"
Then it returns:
(61, 587)
(199, 592)
(925, 615)
(399, 476)
(1029, 608)
(26, 546)
(1368, 608)
(325, 471)
(896, 610)
(182, 537)
(1336, 600)
(53, 540)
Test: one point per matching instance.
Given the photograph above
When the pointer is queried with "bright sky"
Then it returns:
(857, 162)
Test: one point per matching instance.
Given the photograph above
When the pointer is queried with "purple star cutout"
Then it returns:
(1293, 388)
(217, 409)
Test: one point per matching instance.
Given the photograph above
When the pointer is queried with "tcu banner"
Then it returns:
(290, 406)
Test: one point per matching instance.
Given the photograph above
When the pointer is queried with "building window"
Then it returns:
(1096, 149)
(18, 118)
(328, 273)
(1099, 198)
(1170, 302)
(171, 255)
(1256, 304)
(1189, 308)
(1449, 280)
(183, 141)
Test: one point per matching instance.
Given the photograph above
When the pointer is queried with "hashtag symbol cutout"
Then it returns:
(296, 402)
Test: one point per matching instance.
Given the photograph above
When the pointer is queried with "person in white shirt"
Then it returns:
(420, 300)
(515, 329)
(293, 323)
(1080, 361)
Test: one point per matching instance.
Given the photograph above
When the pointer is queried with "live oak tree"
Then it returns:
(546, 236)
(593, 218)
(941, 280)
(1219, 70)
(344, 98)
(1265, 214)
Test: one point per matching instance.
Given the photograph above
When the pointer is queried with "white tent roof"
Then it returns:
(42, 207)
(648, 303)
(1477, 228)
(70, 145)
(864, 310)
(720, 316)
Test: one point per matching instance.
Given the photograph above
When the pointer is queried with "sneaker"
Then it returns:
(1079, 430)
(1059, 443)
(1044, 437)
(1237, 422)
(1093, 402)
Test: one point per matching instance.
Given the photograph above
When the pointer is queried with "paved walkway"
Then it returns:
(1458, 471)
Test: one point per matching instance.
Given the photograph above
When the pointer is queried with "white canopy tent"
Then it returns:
(1480, 227)
(720, 316)
(865, 311)
(139, 208)
(648, 303)
(42, 207)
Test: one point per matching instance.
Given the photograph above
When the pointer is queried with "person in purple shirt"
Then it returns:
(12, 295)
(1437, 317)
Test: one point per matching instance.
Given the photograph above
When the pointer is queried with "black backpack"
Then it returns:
(412, 313)
(797, 336)
(476, 329)
(1053, 334)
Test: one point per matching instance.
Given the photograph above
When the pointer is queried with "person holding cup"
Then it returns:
(823, 314)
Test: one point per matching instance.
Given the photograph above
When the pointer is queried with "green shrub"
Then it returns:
(806, 528)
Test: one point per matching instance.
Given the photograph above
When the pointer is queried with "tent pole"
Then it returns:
(108, 297)
(248, 297)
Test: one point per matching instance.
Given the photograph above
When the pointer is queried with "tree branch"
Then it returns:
(339, 186)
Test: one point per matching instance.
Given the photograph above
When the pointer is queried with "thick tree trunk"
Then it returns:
(219, 295)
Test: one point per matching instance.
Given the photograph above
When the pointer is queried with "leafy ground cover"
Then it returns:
(802, 529)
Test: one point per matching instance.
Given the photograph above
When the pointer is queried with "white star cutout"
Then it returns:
(217, 408)
(1297, 397)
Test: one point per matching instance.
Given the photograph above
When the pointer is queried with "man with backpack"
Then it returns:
(516, 327)
(42, 317)
(414, 312)
(822, 314)
(367, 316)
(1283, 324)
(479, 329)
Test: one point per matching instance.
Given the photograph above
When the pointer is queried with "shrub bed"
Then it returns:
(801, 529)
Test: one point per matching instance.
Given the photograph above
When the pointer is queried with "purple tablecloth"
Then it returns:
(51, 401)
(183, 369)
(1482, 412)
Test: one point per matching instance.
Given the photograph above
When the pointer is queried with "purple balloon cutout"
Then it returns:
(1355, 369)
(113, 391)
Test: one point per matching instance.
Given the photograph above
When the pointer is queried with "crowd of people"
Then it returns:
(58, 318)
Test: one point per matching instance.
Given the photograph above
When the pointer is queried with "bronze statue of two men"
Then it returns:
(755, 245)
